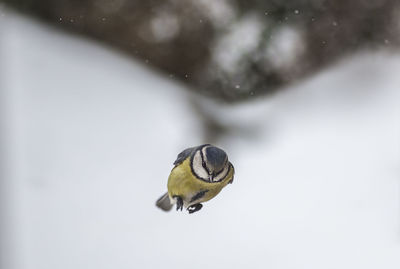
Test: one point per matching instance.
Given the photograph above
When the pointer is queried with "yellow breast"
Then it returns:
(182, 182)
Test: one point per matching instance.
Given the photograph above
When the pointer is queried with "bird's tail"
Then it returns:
(164, 203)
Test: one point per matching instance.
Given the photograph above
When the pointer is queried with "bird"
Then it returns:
(198, 175)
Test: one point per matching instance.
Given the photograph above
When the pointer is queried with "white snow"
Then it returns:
(90, 138)
(220, 13)
(164, 26)
(242, 38)
(285, 46)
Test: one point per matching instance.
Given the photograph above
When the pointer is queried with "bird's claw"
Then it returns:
(194, 208)
(179, 203)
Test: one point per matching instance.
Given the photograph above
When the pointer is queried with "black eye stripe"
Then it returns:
(227, 173)
(219, 172)
(203, 163)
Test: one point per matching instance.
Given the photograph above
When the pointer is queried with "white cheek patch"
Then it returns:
(204, 153)
(198, 168)
(222, 175)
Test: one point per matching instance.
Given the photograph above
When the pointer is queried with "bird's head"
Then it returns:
(210, 163)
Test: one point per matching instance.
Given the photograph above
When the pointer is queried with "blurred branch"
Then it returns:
(230, 50)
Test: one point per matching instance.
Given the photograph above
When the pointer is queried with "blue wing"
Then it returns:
(184, 155)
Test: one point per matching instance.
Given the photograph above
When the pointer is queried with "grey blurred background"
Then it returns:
(98, 97)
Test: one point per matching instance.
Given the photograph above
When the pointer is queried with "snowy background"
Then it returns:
(89, 137)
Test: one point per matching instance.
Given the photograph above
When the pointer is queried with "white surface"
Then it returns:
(93, 137)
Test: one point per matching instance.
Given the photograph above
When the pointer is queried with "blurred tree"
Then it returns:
(229, 49)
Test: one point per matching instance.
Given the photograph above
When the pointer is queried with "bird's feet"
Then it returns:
(179, 203)
(194, 208)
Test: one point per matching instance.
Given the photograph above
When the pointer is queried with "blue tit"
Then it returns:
(199, 174)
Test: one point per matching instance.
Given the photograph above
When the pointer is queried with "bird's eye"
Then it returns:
(203, 163)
